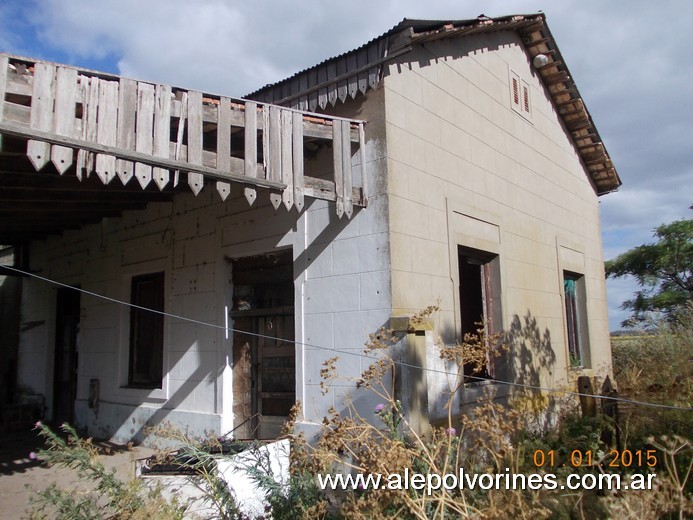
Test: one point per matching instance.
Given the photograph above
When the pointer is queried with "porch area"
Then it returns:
(66, 134)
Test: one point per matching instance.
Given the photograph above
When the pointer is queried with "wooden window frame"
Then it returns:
(490, 303)
(146, 333)
(577, 336)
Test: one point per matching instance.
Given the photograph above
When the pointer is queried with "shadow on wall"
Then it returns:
(531, 349)
(534, 361)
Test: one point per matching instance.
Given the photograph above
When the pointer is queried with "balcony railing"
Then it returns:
(85, 122)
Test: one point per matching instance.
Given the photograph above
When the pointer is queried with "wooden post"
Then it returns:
(250, 155)
(610, 410)
(588, 403)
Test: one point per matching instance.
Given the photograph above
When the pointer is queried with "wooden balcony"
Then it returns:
(88, 124)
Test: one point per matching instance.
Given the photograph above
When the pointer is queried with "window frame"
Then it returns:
(576, 323)
(155, 378)
(490, 304)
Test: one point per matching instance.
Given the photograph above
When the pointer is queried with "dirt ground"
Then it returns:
(18, 470)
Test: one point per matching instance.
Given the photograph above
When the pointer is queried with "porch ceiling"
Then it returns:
(34, 205)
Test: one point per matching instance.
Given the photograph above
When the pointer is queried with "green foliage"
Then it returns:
(108, 496)
(664, 271)
(656, 368)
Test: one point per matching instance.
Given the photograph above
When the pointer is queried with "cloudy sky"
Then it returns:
(630, 60)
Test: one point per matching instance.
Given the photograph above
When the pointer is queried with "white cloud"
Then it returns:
(628, 60)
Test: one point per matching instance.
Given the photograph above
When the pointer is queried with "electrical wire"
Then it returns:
(357, 354)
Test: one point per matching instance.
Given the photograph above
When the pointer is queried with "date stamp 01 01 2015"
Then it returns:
(580, 458)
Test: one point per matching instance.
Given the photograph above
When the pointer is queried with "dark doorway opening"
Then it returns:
(479, 293)
(65, 363)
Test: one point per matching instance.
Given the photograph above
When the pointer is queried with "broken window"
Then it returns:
(146, 331)
(479, 292)
(576, 318)
(264, 355)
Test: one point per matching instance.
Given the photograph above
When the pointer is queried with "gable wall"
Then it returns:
(464, 167)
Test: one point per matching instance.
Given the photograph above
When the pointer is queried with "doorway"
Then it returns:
(65, 362)
(264, 354)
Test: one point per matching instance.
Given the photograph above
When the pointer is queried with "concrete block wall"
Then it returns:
(457, 151)
(342, 288)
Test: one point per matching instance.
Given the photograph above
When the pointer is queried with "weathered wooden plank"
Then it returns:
(323, 131)
(347, 175)
(148, 159)
(41, 113)
(323, 92)
(107, 129)
(323, 189)
(275, 151)
(127, 113)
(287, 163)
(195, 180)
(145, 128)
(303, 85)
(338, 167)
(66, 85)
(297, 127)
(182, 119)
(362, 157)
(162, 132)
(312, 94)
(4, 62)
(332, 87)
(90, 110)
(250, 148)
(224, 144)
(342, 84)
(352, 82)
(362, 58)
(373, 54)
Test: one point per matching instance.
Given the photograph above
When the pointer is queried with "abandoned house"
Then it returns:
(445, 162)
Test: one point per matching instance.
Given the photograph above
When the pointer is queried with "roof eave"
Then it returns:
(334, 79)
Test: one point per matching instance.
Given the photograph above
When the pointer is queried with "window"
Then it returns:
(576, 319)
(479, 289)
(264, 361)
(146, 331)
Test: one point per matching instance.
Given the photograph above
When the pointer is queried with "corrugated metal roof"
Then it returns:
(360, 69)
